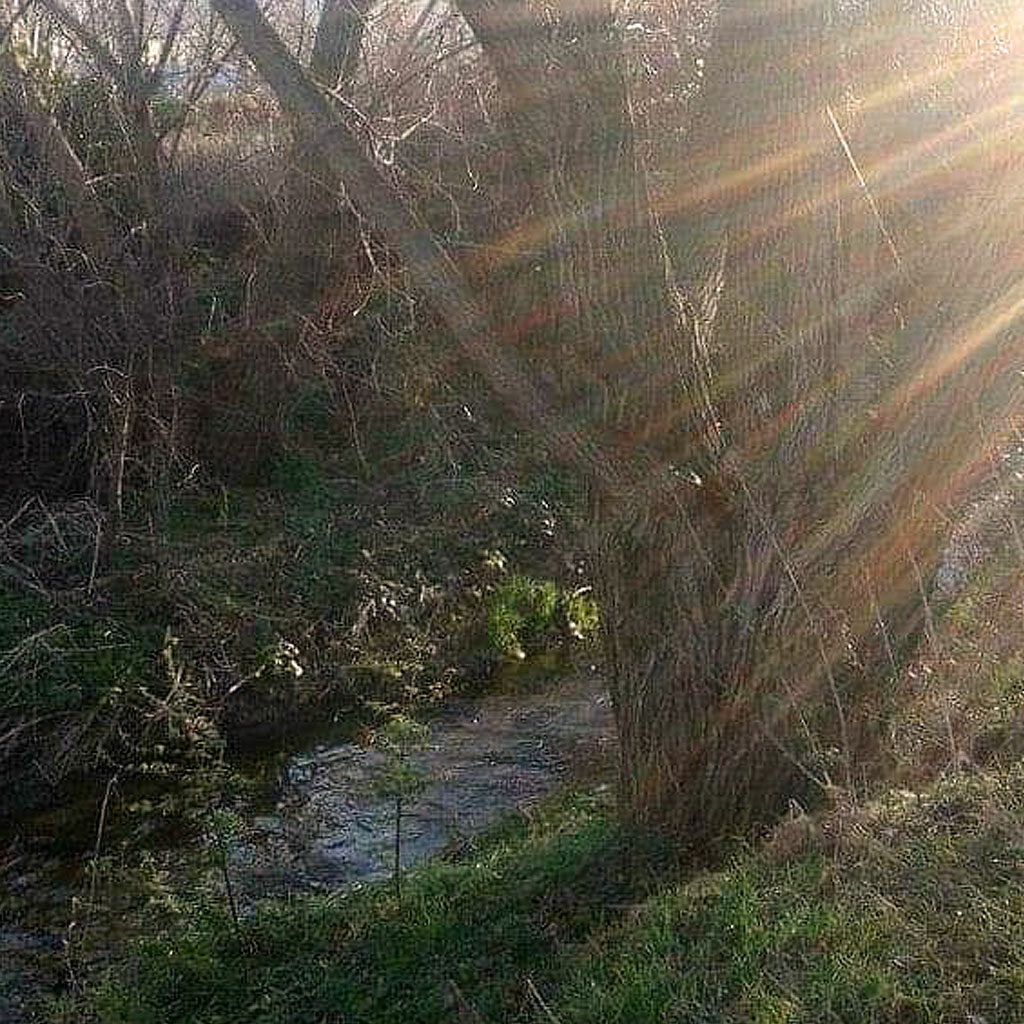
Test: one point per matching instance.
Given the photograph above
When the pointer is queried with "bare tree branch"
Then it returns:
(5, 32)
(85, 39)
(429, 266)
(52, 145)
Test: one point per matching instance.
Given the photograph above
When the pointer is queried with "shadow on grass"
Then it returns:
(498, 914)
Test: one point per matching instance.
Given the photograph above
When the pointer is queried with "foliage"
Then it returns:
(908, 909)
(72, 665)
(299, 474)
(520, 611)
(524, 612)
(399, 737)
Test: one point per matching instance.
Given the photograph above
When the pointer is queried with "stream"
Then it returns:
(322, 825)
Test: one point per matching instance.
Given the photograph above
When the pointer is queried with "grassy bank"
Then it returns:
(907, 910)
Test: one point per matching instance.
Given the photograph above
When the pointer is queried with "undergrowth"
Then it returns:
(907, 910)
(526, 614)
(331, 581)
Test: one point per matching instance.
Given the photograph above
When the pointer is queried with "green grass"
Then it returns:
(910, 910)
(485, 923)
(60, 660)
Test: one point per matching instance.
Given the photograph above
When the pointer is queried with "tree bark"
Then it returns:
(740, 614)
(691, 579)
(844, 368)
(736, 633)
(339, 37)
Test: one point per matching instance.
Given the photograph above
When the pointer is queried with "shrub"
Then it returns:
(521, 612)
(66, 667)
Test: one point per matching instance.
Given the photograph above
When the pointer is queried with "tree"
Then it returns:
(811, 399)
(339, 35)
(311, 229)
(760, 425)
(402, 780)
(97, 255)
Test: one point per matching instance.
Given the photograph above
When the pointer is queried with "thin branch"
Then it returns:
(5, 33)
(167, 47)
(538, 1001)
(862, 181)
(86, 40)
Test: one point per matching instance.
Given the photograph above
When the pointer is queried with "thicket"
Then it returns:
(228, 427)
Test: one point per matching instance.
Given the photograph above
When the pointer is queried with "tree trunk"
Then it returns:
(717, 631)
(741, 612)
(311, 249)
(844, 368)
(339, 36)
(695, 587)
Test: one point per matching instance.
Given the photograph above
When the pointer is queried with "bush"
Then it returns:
(523, 612)
(67, 667)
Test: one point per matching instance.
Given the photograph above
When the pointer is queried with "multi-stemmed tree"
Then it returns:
(770, 366)
(770, 381)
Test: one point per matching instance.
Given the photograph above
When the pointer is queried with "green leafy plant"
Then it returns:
(280, 661)
(299, 473)
(222, 827)
(401, 780)
(521, 611)
(67, 666)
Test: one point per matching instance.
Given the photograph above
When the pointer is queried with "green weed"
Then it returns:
(520, 612)
(523, 614)
(299, 474)
(582, 616)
